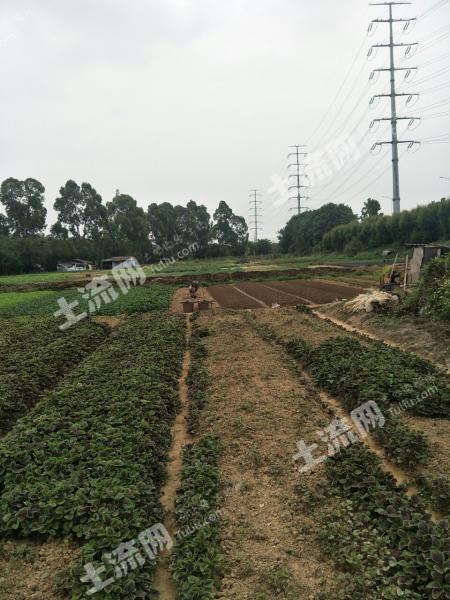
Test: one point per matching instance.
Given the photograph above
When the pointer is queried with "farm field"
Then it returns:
(198, 266)
(137, 300)
(284, 293)
(145, 416)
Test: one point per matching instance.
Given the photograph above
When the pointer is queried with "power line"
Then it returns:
(297, 155)
(393, 96)
(341, 87)
(433, 8)
(254, 212)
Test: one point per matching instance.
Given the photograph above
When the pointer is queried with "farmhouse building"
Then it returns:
(423, 254)
(119, 261)
(76, 264)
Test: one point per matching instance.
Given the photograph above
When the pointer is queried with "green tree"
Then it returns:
(229, 230)
(81, 210)
(4, 226)
(163, 223)
(303, 233)
(194, 227)
(58, 231)
(94, 212)
(371, 208)
(24, 206)
(262, 247)
(128, 225)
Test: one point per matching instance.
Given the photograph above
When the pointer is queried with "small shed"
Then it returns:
(75, 264)
(423, 254)
(119, 261)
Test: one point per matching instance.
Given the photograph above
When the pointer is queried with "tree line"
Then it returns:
(90, 229)
(335, 228)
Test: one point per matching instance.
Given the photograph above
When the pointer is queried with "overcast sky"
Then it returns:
(171, 100)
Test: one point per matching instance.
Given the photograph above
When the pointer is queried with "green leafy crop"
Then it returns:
(35, 356)
(87, 462)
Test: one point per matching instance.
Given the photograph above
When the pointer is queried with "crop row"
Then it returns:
(353, 370)
(198, 377)
(339, 365)
(27, 370)
(384, 539)
(196, 559)
(87, 462)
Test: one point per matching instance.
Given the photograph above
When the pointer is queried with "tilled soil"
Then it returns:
(259, 408)
(284, 293)
(28, 569)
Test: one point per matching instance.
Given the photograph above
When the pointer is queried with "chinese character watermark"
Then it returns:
(340, 434)
(99, 292)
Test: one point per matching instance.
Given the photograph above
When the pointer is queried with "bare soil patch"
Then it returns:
(290, 324)
(259, 408)
(438, 433)
(284, 293)
(28, 569)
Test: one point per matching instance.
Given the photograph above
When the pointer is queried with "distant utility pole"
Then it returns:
(393, 94)
(255, 214)
(297, 155)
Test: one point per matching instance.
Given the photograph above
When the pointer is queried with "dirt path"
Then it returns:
(260, 410)
(162, 580)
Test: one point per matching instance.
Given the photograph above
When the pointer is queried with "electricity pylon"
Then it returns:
(393, 95)
(298, 176)
(255, 204)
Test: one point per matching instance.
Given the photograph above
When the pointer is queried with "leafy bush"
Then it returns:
(88, 461)
(434, 289)
(436, 490)
(37, 359)
(403, 445)
(346, 367)
(196, 558)
(409, 554)
(198, 377)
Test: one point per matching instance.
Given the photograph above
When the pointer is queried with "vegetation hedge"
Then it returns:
(432, 295)
(423, 224)
(198, 377)
(37, 359)
(196, 558)
(385, 539)
(88, 461)
(344, 366)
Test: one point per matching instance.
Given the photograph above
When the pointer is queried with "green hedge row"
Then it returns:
(196, 558)
(383, 538)
(28, 369)
(198, 377)
(344, 366)
(88, 461)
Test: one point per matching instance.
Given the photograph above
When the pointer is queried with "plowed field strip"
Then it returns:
(227, 297)
(268, 295)
(286, 293)
(244, 293)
